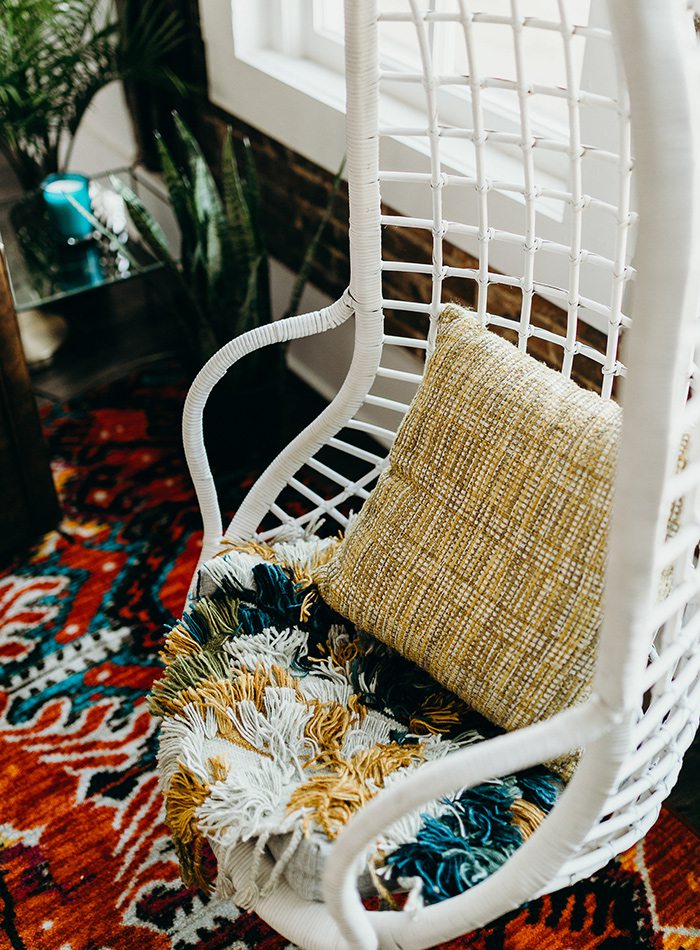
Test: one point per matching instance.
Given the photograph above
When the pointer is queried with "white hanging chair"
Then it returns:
(643, 712)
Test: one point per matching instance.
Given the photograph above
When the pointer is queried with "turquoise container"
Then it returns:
(66, 219)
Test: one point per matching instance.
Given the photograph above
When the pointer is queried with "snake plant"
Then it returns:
(221, 275)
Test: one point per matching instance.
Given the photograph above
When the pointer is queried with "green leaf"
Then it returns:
(216, 241)
(251, 191)
(190, 146)
(181, 196)
(214, 254)
(148, 228)
(210, 240)
(105, 232)
(207, 203)
(237, 211)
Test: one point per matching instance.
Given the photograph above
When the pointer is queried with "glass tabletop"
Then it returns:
(44, 268)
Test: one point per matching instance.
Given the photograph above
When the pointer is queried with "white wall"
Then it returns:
(322, 361)
(105, 138)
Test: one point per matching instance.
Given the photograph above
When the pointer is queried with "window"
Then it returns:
(323, 40)
(278, 65)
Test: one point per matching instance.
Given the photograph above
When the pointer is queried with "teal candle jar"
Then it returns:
(66, 219)
(80, 268)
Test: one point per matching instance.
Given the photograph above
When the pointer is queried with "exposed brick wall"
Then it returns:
(294, 193)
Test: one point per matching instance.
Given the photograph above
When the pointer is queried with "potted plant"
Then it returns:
(56, 55)
(220, 277)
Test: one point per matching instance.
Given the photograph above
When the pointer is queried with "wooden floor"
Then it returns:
(117, 330)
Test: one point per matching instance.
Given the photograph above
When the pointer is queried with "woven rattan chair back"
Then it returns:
(600, 166)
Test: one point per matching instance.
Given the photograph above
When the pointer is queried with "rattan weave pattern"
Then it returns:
(481, 553)
(643, 709)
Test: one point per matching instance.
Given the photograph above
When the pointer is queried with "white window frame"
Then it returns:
(259, 71)
(454, 102)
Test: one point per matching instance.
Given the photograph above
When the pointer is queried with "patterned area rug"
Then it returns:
(85, 859)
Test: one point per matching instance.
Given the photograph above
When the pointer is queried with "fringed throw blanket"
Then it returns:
(280, 721)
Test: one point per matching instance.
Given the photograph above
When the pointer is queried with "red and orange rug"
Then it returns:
(85, 859)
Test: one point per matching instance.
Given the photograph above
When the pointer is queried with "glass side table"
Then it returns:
(45, 269)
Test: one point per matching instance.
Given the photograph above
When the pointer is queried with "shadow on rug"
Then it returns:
(85, 861)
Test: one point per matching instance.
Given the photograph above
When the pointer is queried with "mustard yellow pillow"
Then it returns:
(480, 554)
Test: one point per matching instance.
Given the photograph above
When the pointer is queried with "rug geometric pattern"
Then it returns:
(85, 859)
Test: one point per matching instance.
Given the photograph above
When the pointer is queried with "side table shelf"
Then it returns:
(88, 311)
(44, 269)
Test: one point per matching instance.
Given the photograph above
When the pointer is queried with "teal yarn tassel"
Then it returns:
(463, 846)
(540, 787)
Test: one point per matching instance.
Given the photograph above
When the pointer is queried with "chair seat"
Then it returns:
(281, 720)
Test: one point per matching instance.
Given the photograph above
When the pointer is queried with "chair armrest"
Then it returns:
(463, 769)
(279, 331)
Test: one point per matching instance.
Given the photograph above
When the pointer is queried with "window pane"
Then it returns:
(543, 50)
(328, 19)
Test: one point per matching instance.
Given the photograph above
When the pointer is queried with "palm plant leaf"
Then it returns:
(147, 34)
(55, 55)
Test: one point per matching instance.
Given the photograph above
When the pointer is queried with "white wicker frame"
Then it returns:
(644, 710)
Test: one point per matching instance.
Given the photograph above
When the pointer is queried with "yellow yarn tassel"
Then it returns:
(252, 685)
(184, 795)
(307, 573)
(345, 651)
(386, 898)
(526, 816)
(246, 547)
(223, 695)
(373, 765)
(307, 603)
(357, 707)
(438, 713)
(178, 643)
(328, 727)
(219, 696)
(218, 768)
(332, 799)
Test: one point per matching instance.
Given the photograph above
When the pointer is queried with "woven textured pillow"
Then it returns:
(480, 554)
